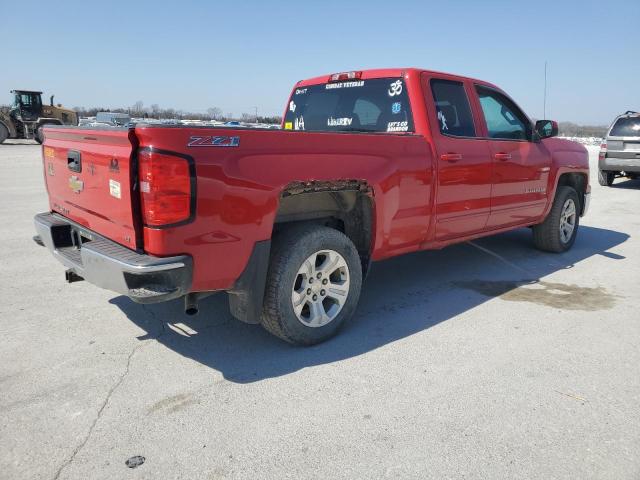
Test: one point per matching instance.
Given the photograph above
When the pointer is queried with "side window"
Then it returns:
(504, 119)
(452, 108)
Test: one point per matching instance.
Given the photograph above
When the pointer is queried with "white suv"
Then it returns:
(620, 152)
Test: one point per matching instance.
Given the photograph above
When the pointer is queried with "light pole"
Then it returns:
(544, 104)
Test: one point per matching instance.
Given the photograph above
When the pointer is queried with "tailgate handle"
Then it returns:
(74, 161)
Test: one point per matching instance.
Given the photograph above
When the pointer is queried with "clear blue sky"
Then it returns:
(239, 54)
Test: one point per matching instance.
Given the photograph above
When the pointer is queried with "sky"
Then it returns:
(238, 55)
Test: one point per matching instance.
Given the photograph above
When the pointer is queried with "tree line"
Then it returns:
(570, 129)
(139, 110)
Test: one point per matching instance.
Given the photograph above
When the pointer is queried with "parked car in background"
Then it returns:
(620, 151)
(368, 165)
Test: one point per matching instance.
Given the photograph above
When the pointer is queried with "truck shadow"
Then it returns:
(627, 183)
(401, 297)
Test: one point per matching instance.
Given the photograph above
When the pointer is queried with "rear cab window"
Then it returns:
(626, 127)
(371, 105)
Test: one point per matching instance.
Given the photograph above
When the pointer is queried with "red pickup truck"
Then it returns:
(367, 165)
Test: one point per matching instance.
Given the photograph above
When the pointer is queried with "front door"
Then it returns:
(464, 161)
(521, 164)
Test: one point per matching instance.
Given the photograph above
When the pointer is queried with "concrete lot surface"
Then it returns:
(459, 364)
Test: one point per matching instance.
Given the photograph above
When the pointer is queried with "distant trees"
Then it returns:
(215, 113)
(570, 129)
(155, 111)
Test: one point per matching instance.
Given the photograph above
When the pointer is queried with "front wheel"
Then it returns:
(558, 231)
(606, 178)
(39, 136)
(313, 284)
(4, 133)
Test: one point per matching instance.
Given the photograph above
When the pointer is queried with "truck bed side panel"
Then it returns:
(239, 189)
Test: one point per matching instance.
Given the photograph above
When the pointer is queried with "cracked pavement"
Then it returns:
(483, 360)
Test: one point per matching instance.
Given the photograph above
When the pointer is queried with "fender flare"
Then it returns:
(47, 121)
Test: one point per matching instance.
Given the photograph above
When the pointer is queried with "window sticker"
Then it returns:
(397, 126)
(299, 125)
(331, 86)
(339, 122)
(443, 121)
(301, 91)
(396, 108)
(395, 88)
(292, 106)
(288, 126)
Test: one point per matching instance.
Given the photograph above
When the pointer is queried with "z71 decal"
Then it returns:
(202, 141)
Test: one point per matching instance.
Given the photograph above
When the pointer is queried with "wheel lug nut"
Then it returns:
(315, 297)
(319, 275)
(308, 291)
(311, 280)
(323, 293)
(325, 281)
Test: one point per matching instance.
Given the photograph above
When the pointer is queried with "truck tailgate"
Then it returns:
(89, 176)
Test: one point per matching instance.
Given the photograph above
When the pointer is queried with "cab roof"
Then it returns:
(26, 91)
(390, 72)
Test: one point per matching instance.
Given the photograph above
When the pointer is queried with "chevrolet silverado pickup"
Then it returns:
(368, 165)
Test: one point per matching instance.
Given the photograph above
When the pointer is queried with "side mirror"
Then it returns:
(546, 128)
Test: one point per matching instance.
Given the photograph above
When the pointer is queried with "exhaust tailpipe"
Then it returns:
(191, 304)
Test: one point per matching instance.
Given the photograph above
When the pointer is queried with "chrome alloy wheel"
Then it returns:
(567, 220)
(321, 288)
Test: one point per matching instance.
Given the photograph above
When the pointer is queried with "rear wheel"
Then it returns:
(606, 178)
(558, 231)
(4, 133)
(313, 284)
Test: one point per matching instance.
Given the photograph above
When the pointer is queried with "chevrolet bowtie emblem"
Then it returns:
(75, 184)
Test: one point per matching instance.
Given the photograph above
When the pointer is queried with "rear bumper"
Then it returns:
(620, 164)
(109, 265)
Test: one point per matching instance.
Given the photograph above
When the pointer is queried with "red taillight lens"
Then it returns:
(340, 77)
(603, 151)
(165, 188)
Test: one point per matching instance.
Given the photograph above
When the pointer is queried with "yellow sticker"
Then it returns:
(49, 152)
(288, 126)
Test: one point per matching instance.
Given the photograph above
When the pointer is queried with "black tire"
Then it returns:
(546, 235)
(4, 133)
(39, 136)
(606, 178)
(290, 250)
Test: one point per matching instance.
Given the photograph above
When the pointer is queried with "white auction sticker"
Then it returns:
(114, 188)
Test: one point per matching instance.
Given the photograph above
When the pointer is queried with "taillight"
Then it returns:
(166, 194)
(603, 151)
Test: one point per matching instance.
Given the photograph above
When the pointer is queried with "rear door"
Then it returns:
(464, 162)
(521, 165)
(89, 180)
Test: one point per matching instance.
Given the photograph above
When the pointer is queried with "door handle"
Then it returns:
(502, 156)
(74, 161)
(451, 157)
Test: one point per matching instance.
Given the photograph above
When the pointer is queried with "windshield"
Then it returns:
(378, 105)
(626, 127)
